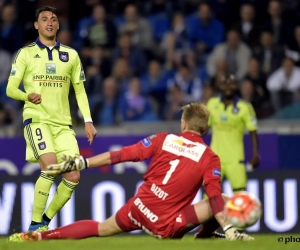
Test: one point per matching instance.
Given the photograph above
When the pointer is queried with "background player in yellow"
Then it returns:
(230, 116)
(47, 68)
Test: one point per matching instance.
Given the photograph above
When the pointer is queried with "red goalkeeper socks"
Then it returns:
(207, 229)
(78, 230)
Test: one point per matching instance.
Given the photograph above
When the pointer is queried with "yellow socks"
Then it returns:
(41, 194)
(63, 194)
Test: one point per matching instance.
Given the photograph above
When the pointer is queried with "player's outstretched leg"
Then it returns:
(78, 230)
(21, 237)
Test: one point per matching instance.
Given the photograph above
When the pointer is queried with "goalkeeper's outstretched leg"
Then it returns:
(78, 230)
(130, 218)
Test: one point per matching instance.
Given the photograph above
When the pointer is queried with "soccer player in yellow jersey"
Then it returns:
(230, 116)
(47, 69)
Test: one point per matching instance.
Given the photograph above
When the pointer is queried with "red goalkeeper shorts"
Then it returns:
(130, 218)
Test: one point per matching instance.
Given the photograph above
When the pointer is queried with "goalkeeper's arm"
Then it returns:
(99, 160)
(129, 153)
(135, 152)
(217, 205)
(212, 178)
(230, 231)
(81, 163)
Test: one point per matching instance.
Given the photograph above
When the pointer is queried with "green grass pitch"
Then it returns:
(262, 242)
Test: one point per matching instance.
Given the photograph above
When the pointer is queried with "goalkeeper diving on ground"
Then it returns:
(162, 208)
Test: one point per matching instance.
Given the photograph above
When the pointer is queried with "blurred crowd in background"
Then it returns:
(144, 59)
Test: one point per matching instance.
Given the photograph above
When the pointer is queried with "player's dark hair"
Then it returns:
(196, 116)
(45, 8)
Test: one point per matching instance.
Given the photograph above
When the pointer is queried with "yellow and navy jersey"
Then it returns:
(48, 72)
(228, 124)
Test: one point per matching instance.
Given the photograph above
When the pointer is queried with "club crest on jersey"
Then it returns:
(63, 56)
(42, 145)
(235, 110)
(146, 142)
(216, 172)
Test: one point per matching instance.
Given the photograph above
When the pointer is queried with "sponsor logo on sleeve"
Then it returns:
(82, 75)
(13, 71)
(146, 142)
(254, 120)
(216, 172)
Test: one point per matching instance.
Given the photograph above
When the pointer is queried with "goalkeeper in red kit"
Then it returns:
(162, 206)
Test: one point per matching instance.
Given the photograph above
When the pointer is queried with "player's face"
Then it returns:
(228, 88)
(47, 24)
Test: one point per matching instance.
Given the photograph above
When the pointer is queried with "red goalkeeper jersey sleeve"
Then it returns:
(180, 164)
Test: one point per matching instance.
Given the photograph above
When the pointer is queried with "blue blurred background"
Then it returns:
(159, 54)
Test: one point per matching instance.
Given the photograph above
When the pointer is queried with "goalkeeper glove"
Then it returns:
(69, 164)
(233, 234)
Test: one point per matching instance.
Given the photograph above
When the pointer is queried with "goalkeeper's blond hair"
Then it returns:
(196, 116)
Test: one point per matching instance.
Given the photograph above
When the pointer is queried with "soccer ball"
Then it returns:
(242, 210)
